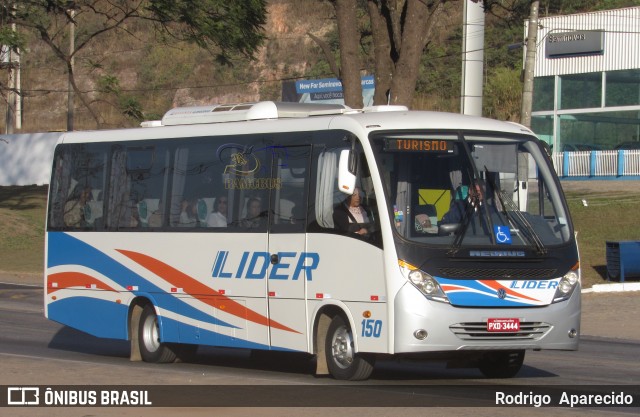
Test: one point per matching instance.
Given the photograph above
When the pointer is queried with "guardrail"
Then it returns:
(597, 164)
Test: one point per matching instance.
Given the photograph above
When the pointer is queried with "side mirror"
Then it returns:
(347, 172)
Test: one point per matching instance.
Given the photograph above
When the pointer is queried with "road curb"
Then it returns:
(615, 287)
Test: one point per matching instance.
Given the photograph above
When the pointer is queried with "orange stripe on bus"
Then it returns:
(192, 286)
(74, 279)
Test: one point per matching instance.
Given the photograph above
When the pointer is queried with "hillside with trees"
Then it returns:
(170, 53)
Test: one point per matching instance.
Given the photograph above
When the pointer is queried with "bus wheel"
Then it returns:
(501, 364)
(342, 360)
(151, 349)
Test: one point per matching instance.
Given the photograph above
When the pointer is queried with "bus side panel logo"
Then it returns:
(240, 159)
(255, 265)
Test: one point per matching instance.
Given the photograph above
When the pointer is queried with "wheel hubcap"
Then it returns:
(342, 348)
(150, 334)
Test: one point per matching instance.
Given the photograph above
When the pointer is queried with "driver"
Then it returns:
(350, 216)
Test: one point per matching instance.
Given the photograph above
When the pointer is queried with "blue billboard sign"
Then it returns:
(329, 90)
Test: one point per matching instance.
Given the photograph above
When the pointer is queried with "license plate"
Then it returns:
(503, 325)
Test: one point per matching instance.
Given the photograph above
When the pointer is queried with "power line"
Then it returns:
(236, 84)
(288, 78)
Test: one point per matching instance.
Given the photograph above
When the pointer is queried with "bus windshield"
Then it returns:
(471, 189)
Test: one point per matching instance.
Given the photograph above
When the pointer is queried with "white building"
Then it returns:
(587, 81)
(26, 159)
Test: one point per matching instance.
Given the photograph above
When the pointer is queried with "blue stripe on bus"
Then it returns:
(101, 318)
(97, 317)
(198, 336)
(483, 300)
(195, 335)
(474, 293)
(67, 250)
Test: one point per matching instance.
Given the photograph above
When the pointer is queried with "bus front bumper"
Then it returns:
(423, 325)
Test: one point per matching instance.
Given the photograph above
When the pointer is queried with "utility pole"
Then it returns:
(15, 59)
(11, 60)
(10, 115)
(72, 36)
(529, 64)
(472, 58)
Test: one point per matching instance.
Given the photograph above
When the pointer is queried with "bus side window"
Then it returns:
(291, 174)
(332, 211)
(78, 181)
(149, 171)
(195, 182)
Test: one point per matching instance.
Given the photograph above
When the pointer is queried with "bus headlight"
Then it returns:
(567, 284)
(424, 282)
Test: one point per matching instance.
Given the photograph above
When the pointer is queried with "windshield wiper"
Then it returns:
(473, 204)
(462, 230)
(529, 232)
(511, 210)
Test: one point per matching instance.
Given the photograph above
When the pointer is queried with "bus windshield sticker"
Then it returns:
(502, 234)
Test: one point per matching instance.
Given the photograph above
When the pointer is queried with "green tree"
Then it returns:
(346, 14)
(126, 104)
(226, 29)
(399, 31)
(221, 27)
(403, 37)
(502, 94)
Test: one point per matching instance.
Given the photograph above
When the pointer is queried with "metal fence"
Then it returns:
(594, 164)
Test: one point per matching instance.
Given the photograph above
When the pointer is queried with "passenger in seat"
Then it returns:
(255, 216)
(155, 220)
(218, 217)
(188, 214)
(74, 208)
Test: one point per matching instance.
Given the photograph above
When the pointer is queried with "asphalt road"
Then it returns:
(35, 351)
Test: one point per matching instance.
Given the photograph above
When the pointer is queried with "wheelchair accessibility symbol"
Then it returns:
(502, 234)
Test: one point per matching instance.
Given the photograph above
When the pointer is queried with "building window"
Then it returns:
(623, 88)
(543, 127)
(580, 91)
(543, 93)
(596, 131)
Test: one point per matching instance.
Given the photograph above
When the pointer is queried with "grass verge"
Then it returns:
(610, 215)
(22, 220)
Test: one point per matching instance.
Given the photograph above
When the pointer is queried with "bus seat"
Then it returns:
(96, 194)
(205, 206)
(430, 211)
(92, 211)
(461, 192)
(146, 207)
(284, 211)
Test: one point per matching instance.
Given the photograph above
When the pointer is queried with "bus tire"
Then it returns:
(501, 364)
(151, 349)
(342, 360)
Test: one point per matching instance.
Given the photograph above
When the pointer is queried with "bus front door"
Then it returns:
(291, 265)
